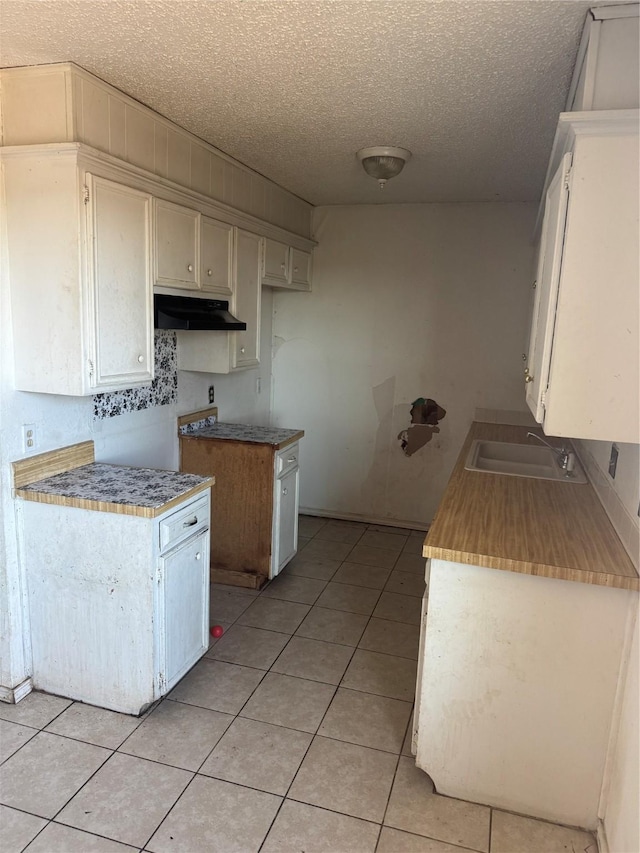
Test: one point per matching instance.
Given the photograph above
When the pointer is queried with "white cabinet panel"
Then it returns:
(300, 274)
(216, 247)
(247, 304)
(121, 278)
(285, 519)
(519, 671)
(80, 274)
(546, 293)
(184, 606)
(225, 352)
(275, 267)
(285, 266)
(177, 245)
(583, 377)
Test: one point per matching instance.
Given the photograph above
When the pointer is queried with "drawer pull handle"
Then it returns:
(190, 267)
(284, 491)
(191, 522)
(209, 272)
(198, 555)
(291, 459)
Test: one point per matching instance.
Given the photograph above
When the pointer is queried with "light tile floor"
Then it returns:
(291, 734)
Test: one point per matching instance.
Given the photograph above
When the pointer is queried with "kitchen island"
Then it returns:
(117, 580)
(254, 516)
(524, 643)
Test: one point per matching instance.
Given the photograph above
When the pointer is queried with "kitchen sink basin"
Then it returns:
(521, 460)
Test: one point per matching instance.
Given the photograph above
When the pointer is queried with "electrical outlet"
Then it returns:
(211, 394)
(613, 461)
(28, 437)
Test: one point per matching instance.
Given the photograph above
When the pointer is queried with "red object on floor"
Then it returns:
(216, 631)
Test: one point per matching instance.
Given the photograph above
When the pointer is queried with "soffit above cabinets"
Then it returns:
(294, 88)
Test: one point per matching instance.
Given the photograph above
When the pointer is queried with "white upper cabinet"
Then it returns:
(582, 376)
(606, 75)
(275, 267)
(300, 274)
(248, 259)
(177, 245)
(79, 255)
(216, 252)
(286, 266)
(227, 352)
(546, 288)
(120, 283)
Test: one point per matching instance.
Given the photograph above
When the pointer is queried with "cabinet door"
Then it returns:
(547, 285)
(275, 267)
(216, 246)
(177, 245)
(285, 520)
(301, 269)
(120, 292)
(248, 258)
(184, 608)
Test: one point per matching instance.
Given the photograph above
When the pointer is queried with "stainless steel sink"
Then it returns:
(521, 460)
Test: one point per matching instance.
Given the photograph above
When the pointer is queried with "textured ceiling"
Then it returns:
(292, 88)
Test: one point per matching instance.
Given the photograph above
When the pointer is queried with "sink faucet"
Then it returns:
(566, 458)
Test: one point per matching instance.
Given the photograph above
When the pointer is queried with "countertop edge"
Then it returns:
(535, 569)
(276, 446)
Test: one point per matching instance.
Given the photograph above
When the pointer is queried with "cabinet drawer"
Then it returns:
(184, 522)
(287, 459)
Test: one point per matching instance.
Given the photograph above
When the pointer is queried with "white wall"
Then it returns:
(408, 301)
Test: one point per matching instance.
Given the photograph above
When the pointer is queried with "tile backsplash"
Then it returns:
(161, 392)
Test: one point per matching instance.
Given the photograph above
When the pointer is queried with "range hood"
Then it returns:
(189, 313)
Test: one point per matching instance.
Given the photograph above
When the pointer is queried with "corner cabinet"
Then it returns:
(254, 514)
(582, 375)
(228, 352)
(79, 251)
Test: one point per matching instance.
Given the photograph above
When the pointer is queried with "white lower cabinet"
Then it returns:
(118, 604)
(183, 607)
(516, 693)
(285, 520)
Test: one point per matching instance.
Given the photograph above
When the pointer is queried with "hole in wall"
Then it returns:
(425, 415)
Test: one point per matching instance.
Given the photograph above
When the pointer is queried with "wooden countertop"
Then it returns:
(518, 524)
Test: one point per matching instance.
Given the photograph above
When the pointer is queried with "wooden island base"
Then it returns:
(248, 580)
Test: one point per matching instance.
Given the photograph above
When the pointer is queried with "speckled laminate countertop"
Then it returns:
(246, 433)
(146, 492)
(535, 527)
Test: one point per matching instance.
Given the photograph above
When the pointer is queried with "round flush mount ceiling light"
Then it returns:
(383, 162)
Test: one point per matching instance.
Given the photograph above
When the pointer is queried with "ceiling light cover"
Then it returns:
(383, 162)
